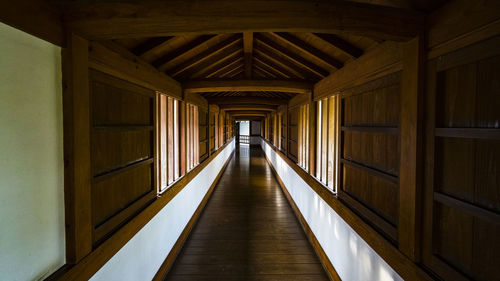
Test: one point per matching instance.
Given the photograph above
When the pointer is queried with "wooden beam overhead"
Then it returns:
(227, 68)
(264, 64)
(231, 107)
(248, 49)
(271, 47)
(150, 44)
(223, 46)
(205, 86)
(340, 44)
(246, 100)
(196, 43)
(305, 47)
(112, 20)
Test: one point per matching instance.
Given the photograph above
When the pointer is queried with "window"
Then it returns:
(192, 137)
(327, 140)
(168, 140)
(303, 141)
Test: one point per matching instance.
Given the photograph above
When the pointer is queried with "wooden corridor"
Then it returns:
(248, 230)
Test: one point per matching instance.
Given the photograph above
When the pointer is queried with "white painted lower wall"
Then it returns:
(350, 255)
(143, 255)
(32, 240)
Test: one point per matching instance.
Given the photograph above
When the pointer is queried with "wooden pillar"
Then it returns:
(312, 136)
(183, 144)
(77, 172)
(410, 175)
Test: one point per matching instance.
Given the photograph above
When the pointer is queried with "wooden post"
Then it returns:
(183, 127)
(77, 172)
(410, 175)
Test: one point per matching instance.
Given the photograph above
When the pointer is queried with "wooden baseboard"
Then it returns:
(176, 249)
(325, 261)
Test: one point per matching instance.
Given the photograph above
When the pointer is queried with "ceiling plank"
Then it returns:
(236, 73)
(205, 86)
(340, 44)
(248, 49)
(298, 60)
(206, 55)
(230, 107)
(217, 62)
(149, 45)
(129, 19)
(225, 66)
(312, 51)
(268, 67)
(232, 72)
(246, 100)
(181, 52)
(278, 63)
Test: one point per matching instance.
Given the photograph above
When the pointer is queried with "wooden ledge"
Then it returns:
(397, 260)
(90, 264)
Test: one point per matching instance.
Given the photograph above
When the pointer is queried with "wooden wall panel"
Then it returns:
(122, 147)
(369, 165)
(293, 133)
(462, 180)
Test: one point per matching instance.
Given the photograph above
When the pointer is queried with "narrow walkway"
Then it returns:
(248, 231)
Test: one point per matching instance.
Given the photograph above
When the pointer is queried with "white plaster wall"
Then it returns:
(350, 255)
(32, 242)
(143, 255)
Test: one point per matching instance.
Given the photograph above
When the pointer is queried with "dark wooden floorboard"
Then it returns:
(248, 231)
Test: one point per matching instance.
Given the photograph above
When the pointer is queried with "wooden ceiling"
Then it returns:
(274, 57)
(247, 52)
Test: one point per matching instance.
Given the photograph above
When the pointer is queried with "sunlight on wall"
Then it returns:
(350, 255)
(143, 255)
(32, 242)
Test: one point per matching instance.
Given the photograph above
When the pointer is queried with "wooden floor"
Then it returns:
(248, 231)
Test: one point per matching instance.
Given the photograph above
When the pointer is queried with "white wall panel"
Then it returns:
(350, 255)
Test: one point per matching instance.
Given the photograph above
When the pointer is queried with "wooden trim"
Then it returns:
(376, 130)
(397, 260)
(470, 133)
(471, 209)
(91, 263)
(411, 148)
(131, 68)
(176, 249)
(218, 85)
(381, 61)
(325, 261)
(36, 17)
(77, 171)
(115, 20)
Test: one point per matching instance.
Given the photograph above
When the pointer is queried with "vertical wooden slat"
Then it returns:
(183, 139)
(312, 137)
(170, 139)
(196, 142)
(331, 141)
(337, 143)
(324, 140)
(77, 172)
(299, 139)
(176, 139)
(410, 168)
(163, 142)
(306, 147)
(319, 127)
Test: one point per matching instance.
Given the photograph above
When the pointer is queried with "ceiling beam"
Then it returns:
(184, 50)
(248, 49)
(206, 86)
(231, 107)
(271, 47)
(305, 47)
(150, 44)
(340, 44)
(229, 43)
(132, 19)
(246, 100)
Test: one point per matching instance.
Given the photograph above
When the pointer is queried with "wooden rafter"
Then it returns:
(181, 52)
(303, 64)
(269, 67)
(231, 42)
(149, 45)
(278, 64)
(312, 51)
(239, 69)
(205, 86)
(340, 44)
(112, 20)
(249, 107)
(248, 49)
(216, 63)
(229, 69)
(246, 100)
